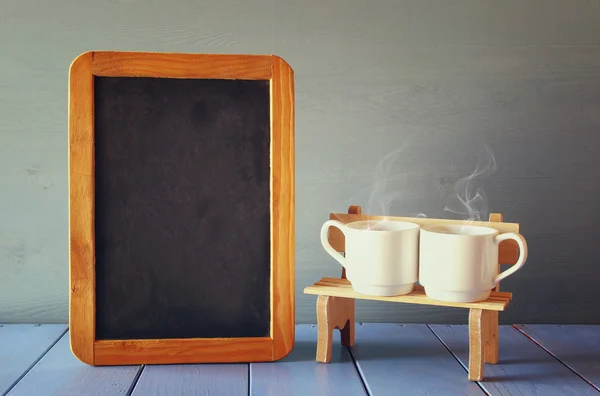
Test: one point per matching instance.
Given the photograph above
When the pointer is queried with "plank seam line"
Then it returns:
(363, 380)
(457, 359)
(249, 379)
(554, 356)
(135, 380)
(35, 362)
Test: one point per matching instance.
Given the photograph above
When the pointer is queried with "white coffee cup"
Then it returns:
(381, 257)
(459, 263)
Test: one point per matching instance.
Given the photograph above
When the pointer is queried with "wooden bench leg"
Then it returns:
(332, 313)
(347, 332)
(490, 336)
(476, 351)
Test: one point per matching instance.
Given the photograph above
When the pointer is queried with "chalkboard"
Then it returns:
(181, 208)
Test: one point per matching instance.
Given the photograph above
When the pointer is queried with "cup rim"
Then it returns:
(481, 231)
(408, 226)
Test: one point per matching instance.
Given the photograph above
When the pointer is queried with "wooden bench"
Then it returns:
(335, 302)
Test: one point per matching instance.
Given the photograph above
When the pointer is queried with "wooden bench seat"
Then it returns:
(335, 302)
(337, 287)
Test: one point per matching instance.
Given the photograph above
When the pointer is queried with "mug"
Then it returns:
(459, 263)
(381, 256)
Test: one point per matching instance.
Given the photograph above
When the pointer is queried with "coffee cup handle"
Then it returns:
(522, 254)
(325, 240)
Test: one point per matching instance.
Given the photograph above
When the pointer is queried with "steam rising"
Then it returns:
(380, 200)
(467, 200)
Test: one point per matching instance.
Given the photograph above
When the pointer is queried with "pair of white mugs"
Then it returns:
(456, 263)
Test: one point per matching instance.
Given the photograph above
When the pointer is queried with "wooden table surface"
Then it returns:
(388, 359)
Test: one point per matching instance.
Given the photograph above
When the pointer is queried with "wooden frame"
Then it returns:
(336, 299)
(81, 208)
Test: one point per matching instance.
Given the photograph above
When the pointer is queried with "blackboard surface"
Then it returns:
(182, 208)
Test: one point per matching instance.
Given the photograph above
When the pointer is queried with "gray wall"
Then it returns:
(436, 79)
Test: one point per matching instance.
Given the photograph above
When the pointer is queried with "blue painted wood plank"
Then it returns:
(577, 346)
(193, 379)
(59, 372)
(408, 360)
(300, 374)
(523, 367)
(21, 345)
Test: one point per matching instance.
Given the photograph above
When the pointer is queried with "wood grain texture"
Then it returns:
(508, 253)
(298, 374)
(188, 350)
(498, 218)
(523, 367)
(490, 329)
(171, 65)
(407, 359)
(352, 209)
(334, 313)
(21, 345)
(577, 346)
(283, 210)
(490, 337)
(342, 288)
(200, 380)
(60, 373)
(435, 83)
(476, 333)
(81, 209)
(434, 79)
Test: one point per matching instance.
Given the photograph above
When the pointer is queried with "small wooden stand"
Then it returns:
(335, 302)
